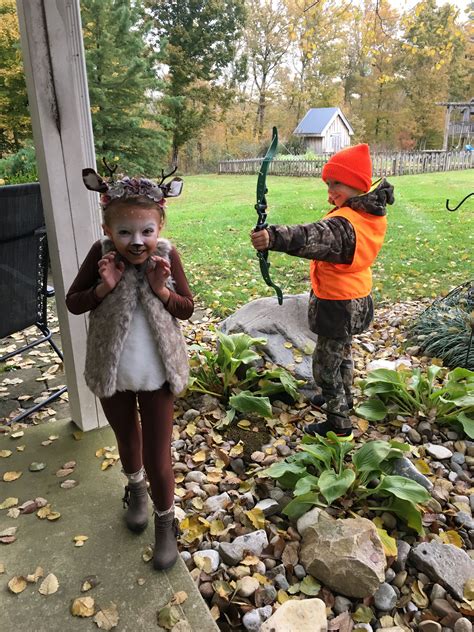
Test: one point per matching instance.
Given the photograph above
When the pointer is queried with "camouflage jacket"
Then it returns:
(333, 240)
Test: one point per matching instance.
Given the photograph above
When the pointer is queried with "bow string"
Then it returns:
(261, 208)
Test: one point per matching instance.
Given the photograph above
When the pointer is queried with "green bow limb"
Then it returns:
(261, 208)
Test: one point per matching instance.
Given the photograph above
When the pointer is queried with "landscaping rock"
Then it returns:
(438, 451)
(217, 503)
(463, 625)
(234, 552)
(403, 550)
(279, 325)
(445, 564)
(268, 506)
(247, 586)
(310, 518)
(253, 619)
(346, 555)
(308, 615)
(404, 467)
(385, 598)
(342, 604)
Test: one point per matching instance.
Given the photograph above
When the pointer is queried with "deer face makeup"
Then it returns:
(134, 232)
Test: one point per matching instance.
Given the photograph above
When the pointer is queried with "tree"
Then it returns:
(15, 126)
(123, 85)
(431, 43)
(197, 42)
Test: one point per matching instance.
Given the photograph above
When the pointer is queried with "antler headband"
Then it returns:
(131, 187)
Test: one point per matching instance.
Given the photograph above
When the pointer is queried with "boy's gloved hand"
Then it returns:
(260, 239)
(110, 272)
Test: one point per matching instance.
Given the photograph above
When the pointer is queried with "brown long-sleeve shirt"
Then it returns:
(82, 298)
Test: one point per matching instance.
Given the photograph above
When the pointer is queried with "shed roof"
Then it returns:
(316, 120)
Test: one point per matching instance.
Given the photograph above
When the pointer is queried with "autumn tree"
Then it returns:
(123, 85)
(15, 126)
(430, 48)
(197, 41)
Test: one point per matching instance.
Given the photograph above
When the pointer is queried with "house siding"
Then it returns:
(336, 136)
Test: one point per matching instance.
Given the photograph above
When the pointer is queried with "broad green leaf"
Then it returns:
(408, 512)
(467, 424)
(247, 402)
(306, 484)
(370, 455)
(301, 504)
(384, 375)
(332, 485)
(372, 410)
(288, 474)
(320, 453)
(404, 488)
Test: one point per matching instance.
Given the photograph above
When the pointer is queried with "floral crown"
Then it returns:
(131, 187)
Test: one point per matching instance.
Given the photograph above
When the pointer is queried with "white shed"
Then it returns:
(324, 130)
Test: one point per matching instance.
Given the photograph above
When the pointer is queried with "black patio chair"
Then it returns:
(24, 272)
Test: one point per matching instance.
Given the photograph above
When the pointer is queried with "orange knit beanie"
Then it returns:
(351, 166)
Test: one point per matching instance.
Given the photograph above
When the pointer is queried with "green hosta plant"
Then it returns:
(414, 393)
(329, 471)
(230, 375)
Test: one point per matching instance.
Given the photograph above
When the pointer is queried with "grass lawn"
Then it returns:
(427, 251)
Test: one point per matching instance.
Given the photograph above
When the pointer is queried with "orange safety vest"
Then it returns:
(341, 281)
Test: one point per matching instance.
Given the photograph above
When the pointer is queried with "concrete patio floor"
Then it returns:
(93, 508)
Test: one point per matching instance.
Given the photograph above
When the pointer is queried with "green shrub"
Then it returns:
(20, 167)
(413, 393)
(230, 375)
(320, 475)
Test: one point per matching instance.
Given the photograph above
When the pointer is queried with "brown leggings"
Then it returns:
(147, 443)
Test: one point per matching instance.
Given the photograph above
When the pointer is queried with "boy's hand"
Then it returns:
(158, 272)
(260, 239)
(110, 272)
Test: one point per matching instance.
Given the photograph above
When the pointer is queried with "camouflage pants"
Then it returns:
(333, 374)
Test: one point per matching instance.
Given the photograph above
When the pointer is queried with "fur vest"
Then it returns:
(109, 325)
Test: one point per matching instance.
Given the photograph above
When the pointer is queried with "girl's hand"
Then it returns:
(110, 272)
(260, 239)
(158, 272)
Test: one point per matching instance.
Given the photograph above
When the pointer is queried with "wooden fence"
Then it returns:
(384, 164)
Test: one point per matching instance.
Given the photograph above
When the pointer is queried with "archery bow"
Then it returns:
(261, 208)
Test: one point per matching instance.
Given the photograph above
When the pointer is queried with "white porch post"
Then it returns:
(53, 55)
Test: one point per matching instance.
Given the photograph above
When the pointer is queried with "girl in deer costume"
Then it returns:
(133, 284)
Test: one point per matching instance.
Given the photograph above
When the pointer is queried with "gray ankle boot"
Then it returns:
(166, 548)
(136, 502)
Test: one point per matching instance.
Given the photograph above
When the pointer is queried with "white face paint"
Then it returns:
(135, 232)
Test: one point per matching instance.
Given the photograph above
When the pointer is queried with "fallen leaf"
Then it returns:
(2, 568)
(468, 590)
(80, 539)
(64, 471)
(33, 577)
(451, 537)
(49, 585)
(418, 595)
(17, 435)
(282, 596)
(69, 484)
(8, 477)
(309, 586)
(204, 563)
(179, 598)
(141, 581)
(5, 453)
(237, 450)
(250, 560)
(147, 554)
(43, 512)
(362, 424)
(36, 467)
(9, 502)
(47, 442)
(78, 434)
(83, 607)
(89, 582)
(244, 423)
(17, 584)
(168, 616)
(53, 515)
(200, 456)
(107, 463)
(20, 448)
(13, 513)
(107, 618)
(363, 614)
(256, 517)
(389, 544)
(53, 437)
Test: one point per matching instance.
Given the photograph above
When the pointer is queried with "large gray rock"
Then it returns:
(308, 615)
(233, 552)
(346, 555)
(278, 324)
(445, 564)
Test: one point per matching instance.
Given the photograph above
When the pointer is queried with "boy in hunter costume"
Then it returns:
(342, 248)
